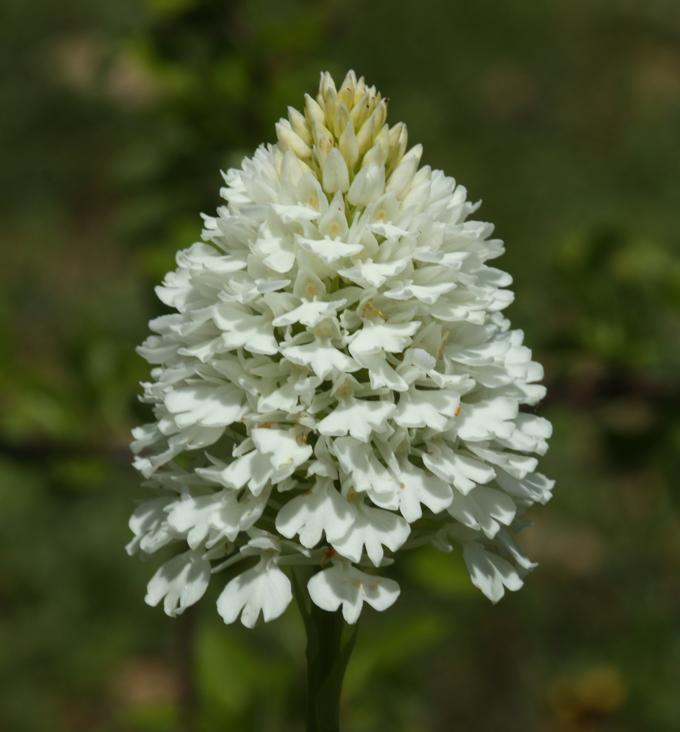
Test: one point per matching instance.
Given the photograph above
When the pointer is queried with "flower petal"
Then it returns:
(357, 418)
(344, 585)
(263, 589)
(180, 582)
(320, 511)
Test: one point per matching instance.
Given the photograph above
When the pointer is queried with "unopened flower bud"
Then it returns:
(335, 173)
(367, 185)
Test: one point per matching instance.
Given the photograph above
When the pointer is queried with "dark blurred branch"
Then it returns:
(186, 663)
(47, 449)
(597, 389)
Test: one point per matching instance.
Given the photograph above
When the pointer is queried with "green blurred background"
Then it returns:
(115, 120)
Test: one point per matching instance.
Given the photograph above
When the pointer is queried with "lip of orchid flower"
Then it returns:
(337, 376)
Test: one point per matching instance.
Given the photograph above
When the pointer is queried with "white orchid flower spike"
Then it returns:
(336, 381)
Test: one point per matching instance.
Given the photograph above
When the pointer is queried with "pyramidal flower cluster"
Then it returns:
(337, 381)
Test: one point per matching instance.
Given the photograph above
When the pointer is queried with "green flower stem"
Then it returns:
(330, 641)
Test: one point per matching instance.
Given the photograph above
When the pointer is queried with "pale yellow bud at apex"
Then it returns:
(335, 173)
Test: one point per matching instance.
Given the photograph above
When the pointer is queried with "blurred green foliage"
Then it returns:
(117, 118)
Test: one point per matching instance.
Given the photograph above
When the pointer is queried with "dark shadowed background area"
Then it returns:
(564, 116)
